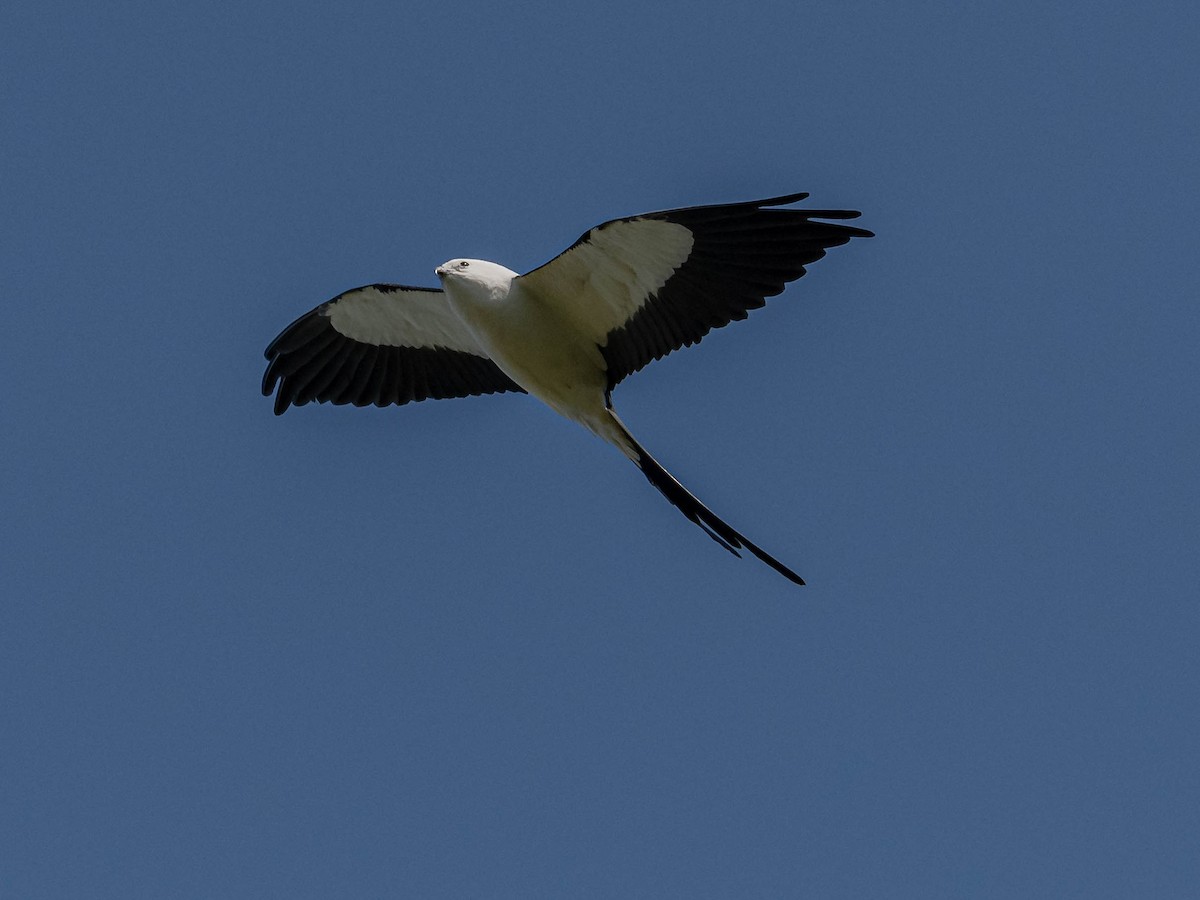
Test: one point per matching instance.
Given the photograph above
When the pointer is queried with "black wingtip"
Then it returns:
(781, 201)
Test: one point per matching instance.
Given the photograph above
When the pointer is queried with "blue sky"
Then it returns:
(462, 648)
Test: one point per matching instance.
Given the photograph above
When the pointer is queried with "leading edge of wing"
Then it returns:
(719, 209)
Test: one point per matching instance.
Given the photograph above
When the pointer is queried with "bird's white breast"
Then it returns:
(536, 345)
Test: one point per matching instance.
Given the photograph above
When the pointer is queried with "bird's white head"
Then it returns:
(475, 276)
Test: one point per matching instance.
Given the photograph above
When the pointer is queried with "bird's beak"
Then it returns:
(440, 271)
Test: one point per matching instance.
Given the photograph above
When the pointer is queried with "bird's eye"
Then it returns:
(464, 264)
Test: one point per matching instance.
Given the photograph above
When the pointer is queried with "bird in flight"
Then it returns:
(626, 293)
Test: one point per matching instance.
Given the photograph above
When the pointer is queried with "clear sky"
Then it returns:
(461, 648)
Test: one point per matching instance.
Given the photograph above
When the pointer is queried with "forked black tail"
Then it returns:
(683, 500)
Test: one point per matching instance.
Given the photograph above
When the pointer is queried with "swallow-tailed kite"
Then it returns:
(627, 292)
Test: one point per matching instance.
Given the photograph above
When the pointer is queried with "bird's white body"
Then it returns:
(533, 341)
(626, 293)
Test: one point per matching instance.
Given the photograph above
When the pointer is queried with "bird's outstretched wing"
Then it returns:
(381, 344)
(645, 285)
